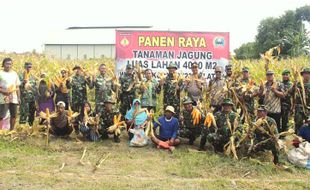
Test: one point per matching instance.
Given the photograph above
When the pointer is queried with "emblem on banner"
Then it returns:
(219, 41)
(124, 42)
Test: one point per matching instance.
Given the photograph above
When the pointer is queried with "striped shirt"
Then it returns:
(271, 100)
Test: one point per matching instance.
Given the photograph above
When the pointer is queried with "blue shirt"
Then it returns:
(168, 129)
(304, 132)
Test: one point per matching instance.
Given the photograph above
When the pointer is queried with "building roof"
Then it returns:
(87, 35)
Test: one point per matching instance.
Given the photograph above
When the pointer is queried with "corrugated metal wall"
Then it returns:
(79, 51)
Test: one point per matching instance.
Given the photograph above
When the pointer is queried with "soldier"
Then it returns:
(302, 99)
(193, 85)
(106, 119)
(172, 88)
(220, 135)
(188, 128)
(104, 87)
(271, 94)
(216, 90)
(63, 86)
(127, 94)
(246, 93)
(286, 101)
(148, 91)
(264, 131)
(28, 91)
(79, 91)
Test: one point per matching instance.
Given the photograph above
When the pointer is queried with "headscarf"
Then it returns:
(140, 117)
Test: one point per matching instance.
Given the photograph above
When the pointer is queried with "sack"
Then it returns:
(139, 139)
(300, 156)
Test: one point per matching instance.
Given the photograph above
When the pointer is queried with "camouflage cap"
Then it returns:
(76, 67)
(269, 72)
(187, 100)
(227, 101)
(286, 71)
(305, 70)
(28, 64)
(245, 69)
(172, 65)
(262, 108)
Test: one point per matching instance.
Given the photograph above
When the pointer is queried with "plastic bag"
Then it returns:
(139, 139)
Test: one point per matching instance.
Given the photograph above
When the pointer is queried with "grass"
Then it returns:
(28, 164)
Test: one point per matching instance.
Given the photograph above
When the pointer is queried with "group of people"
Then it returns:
(233, 101)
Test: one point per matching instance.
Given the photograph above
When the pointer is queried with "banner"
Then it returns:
(157, 49)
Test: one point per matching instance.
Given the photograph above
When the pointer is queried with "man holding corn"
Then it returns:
(191, 121)
(286, 101)
(79, 90)
(172, 85)
(104, 88)
(302, 99)
(226, 121)
(127, 93)
(28, 90)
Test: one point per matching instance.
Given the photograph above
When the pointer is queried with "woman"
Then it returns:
(136, 119)
(45, 95)
(87, 122)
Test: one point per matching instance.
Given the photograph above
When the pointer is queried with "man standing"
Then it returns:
(103, 88)
(127, 94)
(9, 92)
(216, 90)
(302, 99)
(148, 91)
(63, 86)
(79, 91)
(190, 126)
(172, 88)
(286, 101)
(246, 93)
(194, 84)
(28, 90)
(271, 94)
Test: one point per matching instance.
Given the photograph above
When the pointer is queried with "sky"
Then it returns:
(27, 24)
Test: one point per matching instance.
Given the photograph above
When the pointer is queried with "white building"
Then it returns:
(84, 42)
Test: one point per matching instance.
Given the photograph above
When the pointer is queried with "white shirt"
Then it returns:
(8, 79)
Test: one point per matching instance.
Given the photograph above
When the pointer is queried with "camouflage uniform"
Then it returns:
(106, 120)
(79, 92)
(286, 103)
(27, 98)
(220, 137)
(187, 128)
(301, 110)
(103, 89)
(246, 97)
(260, 136)
(172, 93)
(126, 97)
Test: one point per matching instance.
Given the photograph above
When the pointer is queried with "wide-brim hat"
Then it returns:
(170, 108)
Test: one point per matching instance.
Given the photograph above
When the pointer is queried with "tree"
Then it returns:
(247, 51)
